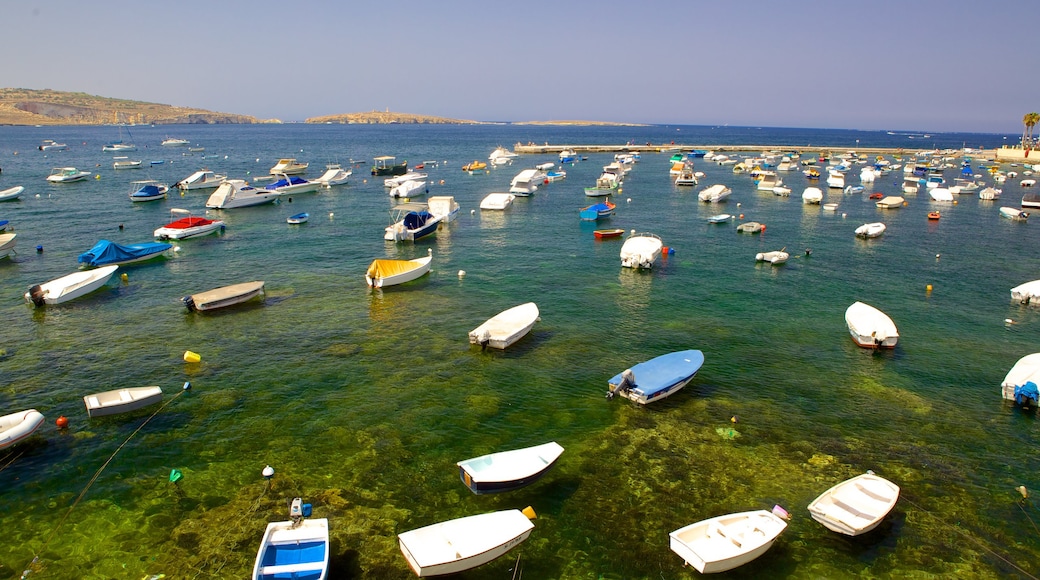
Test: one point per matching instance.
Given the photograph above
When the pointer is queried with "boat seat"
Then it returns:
(290, 568)
(125, 396)
(874, 491)
(716, 531)
(94, 401)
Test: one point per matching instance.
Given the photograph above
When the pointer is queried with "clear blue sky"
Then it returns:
(931, 65)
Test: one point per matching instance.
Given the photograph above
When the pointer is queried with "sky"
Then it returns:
(930, 65)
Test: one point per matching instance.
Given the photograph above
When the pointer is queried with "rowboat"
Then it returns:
(294, 549)
(855, 506)
(299, 218)
(224, 296)
(610, 233)
(656, 378)
(464, 543)
(121, 400)
(506, 327)
(508, 470)
(382, 273)
(69, 287)
(728, 541)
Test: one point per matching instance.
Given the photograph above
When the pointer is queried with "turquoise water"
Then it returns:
(363, 401)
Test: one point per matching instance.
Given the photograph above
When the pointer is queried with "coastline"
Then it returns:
(987, 154)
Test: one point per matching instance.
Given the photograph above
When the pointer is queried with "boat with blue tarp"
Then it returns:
(411, 222)
(656, 378)
(597, 210)
(106, 253)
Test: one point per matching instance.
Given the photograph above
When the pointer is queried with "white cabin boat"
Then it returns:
(502, 156)
(641, 251)
(18, 426)
(202, 179)
(812, 196)
(989, 193)
(174, 142)
(836, 179)
(508, 470)
(497, 201)
(294, 549)
(444, 206)
(52, 145)
(383, 273)
(121, 400)
(409, 189)
(870, 327)
(505, 328)
(234, 193)
(855, 506)
(714, 194)
(526, 182)
(399, 179)
(334, 175)
(288, 166)
(67, 175)
(463, 543)
(224, 296)
(726, 542)
(292, 184)
(69, 287)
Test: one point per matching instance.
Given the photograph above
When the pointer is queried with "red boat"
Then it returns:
(877, 195)
(933, 215)
(614, 233)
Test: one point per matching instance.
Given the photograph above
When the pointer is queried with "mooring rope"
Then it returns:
(13, 457)
(97, 474)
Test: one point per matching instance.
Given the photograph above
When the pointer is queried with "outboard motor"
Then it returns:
(36, 294)
(190, 303)
(1027, 394)
(485, 339)
(628, 380)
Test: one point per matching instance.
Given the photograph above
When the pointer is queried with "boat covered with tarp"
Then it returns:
(105, 253)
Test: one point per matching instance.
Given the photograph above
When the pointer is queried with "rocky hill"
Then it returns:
(47, 107)
(388, 117)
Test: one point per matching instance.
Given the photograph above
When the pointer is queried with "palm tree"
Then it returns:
(1029, 120)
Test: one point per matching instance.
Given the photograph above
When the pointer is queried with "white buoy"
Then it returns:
(268, 472)
(472, 211)
(633, 232)
(331, 214)
(258, 160)
(462, 273)
(738, 204)
(628, 200)
(176, 249)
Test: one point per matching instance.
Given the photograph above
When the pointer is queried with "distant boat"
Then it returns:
(52, 145)
(67, 175)
(383, 273)
(464, 543)
(725, 542)
(299, 218)
(126, 164)
(508, 470)
(288, 166)
(202, 179)
(474, 165)
(69, 287)
(870, 327)
(1020, 384)
(119, 145)
(18, 426)
(505, 328)
(656, 378)
(172, 142)
(855, 506)
(294, 549)
(224, 296)
(609, 233)
(720, 218)
(121, 400)
(105, 253)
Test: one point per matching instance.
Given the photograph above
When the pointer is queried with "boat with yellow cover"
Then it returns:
(474, 166)
(382, 273)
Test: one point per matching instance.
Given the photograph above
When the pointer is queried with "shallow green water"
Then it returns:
(363, 401)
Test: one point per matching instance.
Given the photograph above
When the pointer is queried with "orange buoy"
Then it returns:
(62, 422)
(741, 216)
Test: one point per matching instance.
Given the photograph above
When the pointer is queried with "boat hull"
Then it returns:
(16, 427)
(463, 543)
(224, 297)
(69, 287)
(657, 378)
(726, 542)
(869, 327)
(376, 278)
(505, 328)
(508, 470)
(855, 506)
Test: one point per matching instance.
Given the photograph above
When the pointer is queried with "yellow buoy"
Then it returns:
(529, 512)
(928, 288)
(124, 277)
(191, 357)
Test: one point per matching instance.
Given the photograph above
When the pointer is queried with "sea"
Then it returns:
(363, 401)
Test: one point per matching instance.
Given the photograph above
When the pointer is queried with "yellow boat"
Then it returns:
(475, 166)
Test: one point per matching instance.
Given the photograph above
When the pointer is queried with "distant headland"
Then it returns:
(47, 107)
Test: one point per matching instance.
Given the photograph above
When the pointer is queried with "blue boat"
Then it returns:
(597, 210)
(106, 253)
(148, 190)
(297, 548)
(656, 378)
(298, 218)
(411, 222)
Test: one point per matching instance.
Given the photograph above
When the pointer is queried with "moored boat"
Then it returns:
(292, 184)
(474, 165)
(728, 541)
(464, 543)
(1013, 213)
(714, 194)
(871, 230)
(121, 400)
(67, 175)
(597, 211)
(751, 228)
(855, 506)
(387, 165)
(1020, 384)
(11, 193)
(812, 195)
(52, 145)
(444, 206)
(505, 328)
(187, 227)
(105, 253)
(508, 470)
(870, 327)
(296, 549)
(7, 243)
(224, 296)
(399, 179)
(608, 233)
(18, 426)
(298, 218)
(382, 273)
(411, 222)
(410, 189)
(656, 378)
(232, 193)
(147, 190)
(288, 166)
(201, 179)
(1028, 293)
(497, 201)
(334, 175)
(720, 218)
(641, 251)
(775, 258)
(890, 202)
(69, 287)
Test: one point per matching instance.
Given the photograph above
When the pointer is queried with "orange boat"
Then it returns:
(876, 195)
(933, 215)
(475, 166)
(614, 233)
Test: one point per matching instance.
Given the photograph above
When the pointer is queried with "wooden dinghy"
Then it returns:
(726, 542)
(855, 506)
(464, 543)
(223, 297)
(18, 426)
(121, 400)
(508, 470)
(506, 327)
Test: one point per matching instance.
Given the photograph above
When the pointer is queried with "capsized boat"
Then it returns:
(411, 222)
(11, 193)
(383, 273)
(506, 327)
(1020, 384)
(105, 253)
(67, 175)
(18, 426)
(69, 287)
(121, 400)
(201, 179)
(871, 230)
(296, 549)
(464, 543)
(728, 541)
(187, 227)
(640, 251)
(656, 378)
(232, 193)
(870, 327)
(855, 506)
(508, 470)
(224, 296)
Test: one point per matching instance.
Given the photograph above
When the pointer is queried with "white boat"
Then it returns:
(383, 273)
(334, 175)
(16, 427)
(890, 202)
(911, 184)
(836, 179)
(173, 142)
(989, 193)
(1020, 384)
(726, 542)
(751, 228)
(187, 227)
(11, 193)
(508, 470)
(940, 194)
(119, 145)
(714, 194)
(288, 166)
(7, 242)
(224, 296)
(67, 175)
(294, 549)
(234, 193)
(640, 251)
(298, 218)
(399, 179)
(126, 164)
(830, 207)
(775, 258)
(812, 195)
(867, 175)
(202, 179)
(686, 177)
(767, 180)
(720, 218)
(855, 506)
(526, 182)
(69, 287)
(444, 206)
(463, 543)
(497, 201)
(121, 400)
(869, 327)
(1031, 199)
(502, 156)
(506, 327)
(410, 189)
(782, 191)
(545, 166)
(872, 230)
(1028, 293)
(292, 184)
(52, 145)
(147, 190)
(411, 222)
(1014, 213)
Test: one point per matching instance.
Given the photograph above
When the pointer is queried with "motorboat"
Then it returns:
(398, 180)
(686, 177)
(292, 184)
(526, 182)
(52, 145)
(720, 218)
(444, 206)
(830, 207)
(387, 165)
(464, 543)
(475, 165)
(640, 251)
(853, 189)
(608, 233)
(554, 175)
(870, 327)
(855, 506)
(656, 378)
(187, 227)
(297, 548)
(715, 193)
(812, 196)
(69, 287)
(410, 189)
(871, 230)
(597, 210)
(767, 180)
(234, 193)
(568, 156)
(334, 175)
(1031, 200)
(121, 400)
(147, 190)
(1020, 384)
(201, 179)
(174, 142)
(7, 243)
(911, 184)
(776, 257)
(12, 193)
(497, 201)
(411, 222)
(383, 273)
(508, 470)
(298, 218)
(224, 296)
(502, 156)
(726, 542)
(1013, 213)
(835, 180)
(989, 193)
(505, 328)
(124, 163)
(867, 175)
(940, 194)
(67, 175)
(890, 202)
(288, 166)
(751, 228)
(606, 184)
(18, 426)
(105, 253)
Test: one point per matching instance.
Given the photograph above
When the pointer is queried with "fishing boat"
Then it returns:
(508, 470)
(233, 193)
(296, 549)
(106, 253)
(7, 243)
(387, 165)
(497, 201)
(411, 222)
(288, 166)
(656, 378)
(292, 184)
(187, 227)
(298, 218)
(224, 296)
(12, 193)
(334, 175)
(147, 190)
(410, 189)
(855, 506)
(399, 179)
(1020, 384)
(505, 328)
(751, 228)
(16, 427)
(67, 175)
(444, 206)
(69, 287)
(714, 194)
(775, 258)
(1013, 213)
(725, 542)
(1028, 293)
(52, 145)
(870, 327)
(608, 233)
(474, 165)
(641, 251)
(201, 179)
(121, 400)
(597, 211)
(890, 202)
(383, 273)
(871, 230)
(720, 218)
(464, 543)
